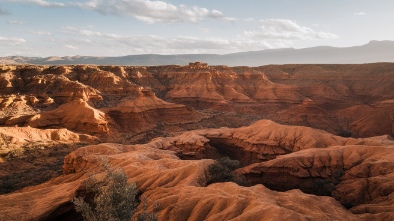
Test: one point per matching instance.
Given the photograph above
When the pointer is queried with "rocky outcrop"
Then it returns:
(109, 81)
(76, 115)
(262, 141)
(178, 186)
(16, 109)
(356, 172)
(358, 176)
(223, 84)
(43, 83)
(343, 96)
(142, 111)
(24, 135)
(345, 100)
(145, 165)
(228, 201)
(126, 104)
(361, 119)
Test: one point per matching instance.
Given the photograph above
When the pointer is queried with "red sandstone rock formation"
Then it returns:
(141, 111)
(76, 115)
(16, 109)
(357, 172)
(222, 84)
(228, 201)
(178, 186)
(261, 141)
(44, 83)
(125, 104)
(341, 99)
(358, 176)
(23, 135)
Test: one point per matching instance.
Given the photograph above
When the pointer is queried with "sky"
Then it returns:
(42, 28)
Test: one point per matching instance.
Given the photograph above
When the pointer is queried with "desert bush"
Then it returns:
(223, 171)
(114, 199)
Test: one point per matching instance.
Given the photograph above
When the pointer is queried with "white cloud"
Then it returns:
(150, 11)
(40, 33)
(15, 22)
(216, 14)
(71, 47)
(170, 45)
(99, 34)
(3, 11)
(230, 19)
(38, 2)
(249, 19)
(12, 41)
(359, 13)
(286, 29)
(70, 28)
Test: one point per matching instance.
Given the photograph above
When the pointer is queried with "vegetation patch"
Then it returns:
(30, 165)
(114, 199)
(223, 170)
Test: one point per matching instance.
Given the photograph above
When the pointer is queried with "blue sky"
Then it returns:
(123, 27)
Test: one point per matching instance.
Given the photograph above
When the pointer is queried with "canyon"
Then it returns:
(315, 141)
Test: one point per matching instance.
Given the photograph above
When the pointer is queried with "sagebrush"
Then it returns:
(114, 199)
(223, 171)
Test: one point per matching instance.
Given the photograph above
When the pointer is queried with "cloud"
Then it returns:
(230, 19)
(11, 41)
(286, 29)
(3, 11)
(38, 2)
(150, 11)
(168, 45)
(71, 47)
(99, 34)
(359, 13)
(249, 19)
(15, 22)
(40, 33)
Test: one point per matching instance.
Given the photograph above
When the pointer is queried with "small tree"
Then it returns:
(223, 171)
(114, 199)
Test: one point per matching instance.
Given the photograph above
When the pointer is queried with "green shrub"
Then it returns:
(223, 171)
(114, 199)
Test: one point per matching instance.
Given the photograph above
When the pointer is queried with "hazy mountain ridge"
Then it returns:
(374, 51)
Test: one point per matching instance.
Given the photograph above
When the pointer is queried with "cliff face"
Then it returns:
(358, 176)
(179, 187)
(341, 99)
(355, 172)
(322, 129)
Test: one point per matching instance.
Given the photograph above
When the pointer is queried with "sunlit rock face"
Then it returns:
(346, 100)
(314, 141)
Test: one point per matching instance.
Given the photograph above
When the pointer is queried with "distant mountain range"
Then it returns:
(374, 51)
